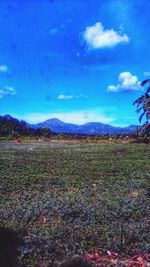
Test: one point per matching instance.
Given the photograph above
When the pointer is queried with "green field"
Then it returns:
(91, 196)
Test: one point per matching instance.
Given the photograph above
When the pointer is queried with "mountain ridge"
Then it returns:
(90, 128)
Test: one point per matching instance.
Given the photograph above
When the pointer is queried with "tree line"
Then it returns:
(12, 127)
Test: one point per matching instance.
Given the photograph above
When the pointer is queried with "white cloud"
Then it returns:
(3, 68)
(7, 91)
(97, 37)
(147, 73)
(77, 117)
(127, 82)
(65, 97)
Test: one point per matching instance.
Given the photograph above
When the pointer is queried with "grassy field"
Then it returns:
(60, 199)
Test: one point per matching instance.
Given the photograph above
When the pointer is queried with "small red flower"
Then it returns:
(42, 219)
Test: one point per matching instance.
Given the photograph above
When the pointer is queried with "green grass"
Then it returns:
(94, 196)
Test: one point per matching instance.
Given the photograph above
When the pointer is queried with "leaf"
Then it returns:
(140, 119)
(139, 109)
(109, 253)
(145, 81)
(114, 261)
(148, 89)
(148, 115)
(140, 260)
(88, 256)
(139, 100)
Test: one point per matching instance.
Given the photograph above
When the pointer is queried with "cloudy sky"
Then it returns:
(77, 60)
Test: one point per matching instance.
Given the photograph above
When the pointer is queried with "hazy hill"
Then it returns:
(90, 128)
(10, 125)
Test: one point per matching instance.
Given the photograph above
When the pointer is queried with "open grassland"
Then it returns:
(67, 198)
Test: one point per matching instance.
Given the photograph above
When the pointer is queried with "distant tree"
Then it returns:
(11, 127)
(143, 107)
(44, 132)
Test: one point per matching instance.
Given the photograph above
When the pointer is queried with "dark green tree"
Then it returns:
(143, 107)
(43, 132)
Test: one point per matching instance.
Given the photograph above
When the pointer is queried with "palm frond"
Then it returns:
(145, 81)
(139, 100)
(148, 90)
(141, 116)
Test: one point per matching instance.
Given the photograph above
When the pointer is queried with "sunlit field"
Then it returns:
(60, 199)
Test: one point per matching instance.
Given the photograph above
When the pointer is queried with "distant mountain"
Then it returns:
(91, 128)
(10, 126)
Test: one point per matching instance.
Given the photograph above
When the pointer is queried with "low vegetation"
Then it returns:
(64, 199)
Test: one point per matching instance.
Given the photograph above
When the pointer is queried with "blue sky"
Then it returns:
(77, 60)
